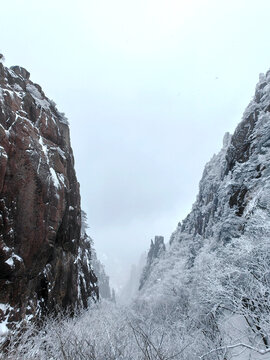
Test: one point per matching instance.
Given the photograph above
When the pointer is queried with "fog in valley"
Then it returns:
(149, 88)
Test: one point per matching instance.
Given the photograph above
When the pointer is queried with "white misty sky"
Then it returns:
(149, 87)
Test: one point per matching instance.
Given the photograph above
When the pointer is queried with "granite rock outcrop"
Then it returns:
(40, 214)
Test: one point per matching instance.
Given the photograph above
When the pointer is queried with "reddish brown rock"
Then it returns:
(40, 214)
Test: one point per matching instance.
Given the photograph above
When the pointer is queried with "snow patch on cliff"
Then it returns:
(39, 99)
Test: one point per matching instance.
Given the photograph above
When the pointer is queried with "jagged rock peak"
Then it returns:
(227, 139)
(44, 260)
(157, 248)
(20, 71)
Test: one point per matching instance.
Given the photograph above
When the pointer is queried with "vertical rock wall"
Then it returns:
(40, 214)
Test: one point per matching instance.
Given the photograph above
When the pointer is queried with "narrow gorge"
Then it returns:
(203, 295)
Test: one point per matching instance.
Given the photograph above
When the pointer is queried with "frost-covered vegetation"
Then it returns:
(106, 331)
(219, 308)
(207, 296)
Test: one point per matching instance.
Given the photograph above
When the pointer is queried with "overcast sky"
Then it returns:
(149, 87)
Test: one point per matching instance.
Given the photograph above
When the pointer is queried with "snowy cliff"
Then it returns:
(157, 249)
(206, 295)
(44, 261)
(218, 260)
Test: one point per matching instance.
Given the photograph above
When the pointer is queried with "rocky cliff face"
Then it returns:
(157, 249)
(218, 259)
(44, 262)
(235, 182)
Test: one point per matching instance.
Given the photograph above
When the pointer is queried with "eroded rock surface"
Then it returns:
(40, 214)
